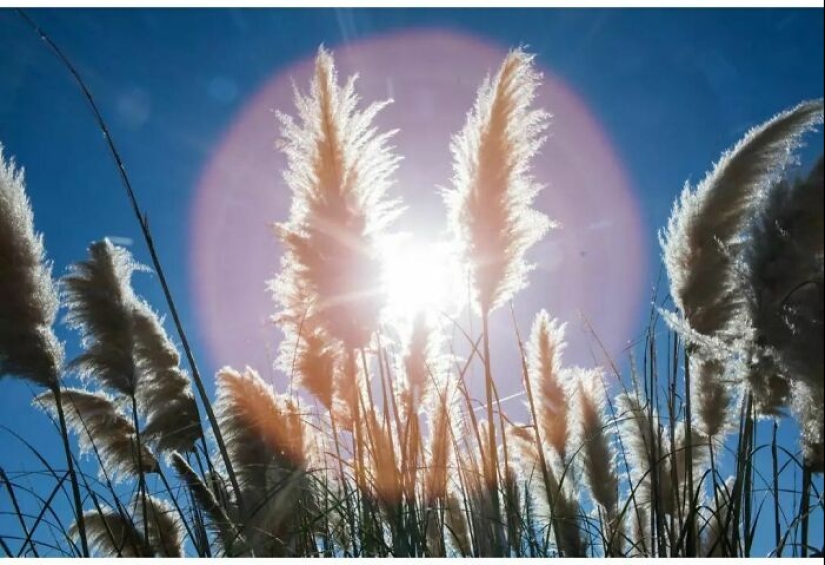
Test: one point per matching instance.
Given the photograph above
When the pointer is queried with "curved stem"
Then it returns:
(147, 235)
(64, 433)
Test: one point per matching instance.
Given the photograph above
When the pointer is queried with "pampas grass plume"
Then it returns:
(113, 534)
(339, 171)
(260, 424)
(705, 222)
(28, 347)
(163, 524)
(782, 279)
(102, 429)
(547, 380)
(590, 429)
(489, 202)
(711, 395)
(101, 304)
(165, 393)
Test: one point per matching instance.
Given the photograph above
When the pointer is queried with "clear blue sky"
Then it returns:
(670, 89)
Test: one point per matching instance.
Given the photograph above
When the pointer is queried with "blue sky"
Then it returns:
(671, 90)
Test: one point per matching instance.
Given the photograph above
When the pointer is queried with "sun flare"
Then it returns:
(421, 277)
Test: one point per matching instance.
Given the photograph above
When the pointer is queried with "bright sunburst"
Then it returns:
(421, 277)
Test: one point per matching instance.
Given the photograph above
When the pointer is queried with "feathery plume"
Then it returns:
(554, 500)
(165, 393)
(493, 189)
(28, 347)
(479, 494)
(719, 541)
(339, 171)
(263, 426)
(441, 408)
(382, 475)
(641, 541)
(545, 372)
(698, 450)
(126, 347)
(807, 402)
(349, 385)
(101, 307)
(113, 534)
(315, 358)
(162, 523)
(102, 429)
(423, 367)
(589, 432)
(701, 235)
(268, 446)
(710, 395)
(219, 521)
(420, 361)
(512, 503)
(643, 439)
(782, 281)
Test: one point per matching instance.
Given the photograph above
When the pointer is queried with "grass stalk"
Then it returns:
(147, 236)
(78, 503)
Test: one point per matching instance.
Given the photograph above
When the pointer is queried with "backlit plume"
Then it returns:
(126, 348)
(493, 189)
(545, 372)
(339, 172)
(28, 307)
(103, 429)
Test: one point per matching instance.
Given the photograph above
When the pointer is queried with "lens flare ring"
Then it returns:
(593, 268)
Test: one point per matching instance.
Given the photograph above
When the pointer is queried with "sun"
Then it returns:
(421, 277)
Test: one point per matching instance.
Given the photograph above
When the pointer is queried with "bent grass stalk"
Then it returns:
(147, 236)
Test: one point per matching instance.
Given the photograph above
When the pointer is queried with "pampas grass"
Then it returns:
(165, 532)
(101, 307)
(711, 395)
(489, 204)
(700, 238)
(316, 359)
(737, 288)
(165, 393)
(807, 403)
(547, 380)
(104, 430)
(719, 541)
(29, 302)
(591, 437)
(782, 278)
(339, 171)
(389, 457)
(227, 534)
(114, 534)
(126, 348)
(28, 347)
(643, 439)
(270, 452)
